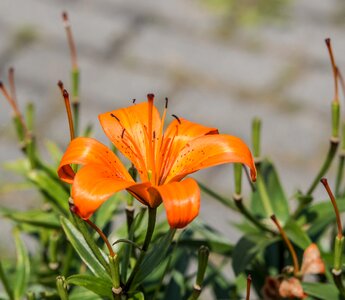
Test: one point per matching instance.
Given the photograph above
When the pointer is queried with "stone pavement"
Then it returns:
(278, 71)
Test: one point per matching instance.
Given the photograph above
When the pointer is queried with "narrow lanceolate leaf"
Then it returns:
(32, 217)
(52, 188)
(323, 291)
(247, 248)
(82, 293)
(23, 267)
(54, 151)
(80, 245)
(275, 192)
(154, 257)
(321, 215)
(297, 235)
(92, 283)
(5, 282)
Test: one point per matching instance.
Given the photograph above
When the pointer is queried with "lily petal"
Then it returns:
(180, 132)
(208, 151)
(92, 186)
(127, 129)
(89, 151)
(141, 193)
(181, 201)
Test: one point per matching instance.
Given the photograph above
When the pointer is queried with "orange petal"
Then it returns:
(181, 201)
(312, 262)
(94, 184)
(291, 288)
(89, 151)
(128, 132)
(208, 151)
(141, 193)
(181, 131)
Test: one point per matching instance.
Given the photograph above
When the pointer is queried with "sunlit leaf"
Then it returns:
(23, 266)
(80, 245)
(97, 285)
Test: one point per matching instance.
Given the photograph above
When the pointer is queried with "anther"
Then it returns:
(65, 18)
(150, 96)
(177, 118)
(60, 85)
(133, 101)
(1, 85)
(154, 135)
(65, 94)
(166, 102)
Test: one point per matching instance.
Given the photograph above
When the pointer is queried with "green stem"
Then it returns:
(150, 228)
(225, 201)
(115, 276)
(5, 283)
(306, 199)
(264, 195)
(330, 155)
(337, 278)
(246, 213)
(340, 172)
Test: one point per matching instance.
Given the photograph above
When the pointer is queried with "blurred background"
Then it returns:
(220, 62)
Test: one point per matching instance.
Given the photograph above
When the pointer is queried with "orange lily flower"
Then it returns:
(162, 159)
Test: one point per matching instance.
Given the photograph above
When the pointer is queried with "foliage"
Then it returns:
(148, 260)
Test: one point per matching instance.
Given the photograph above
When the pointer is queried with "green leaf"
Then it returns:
(52, 188)
(82, 293)
(92, 283)
(202, 234)
(247, 248)
(23, 267)
(54, 151)
(19, 166)
(5, 282)
(137, 296)
(225, 201)
(275, 191)
(297, 235)
(322, 291)
(32, 217)
(320, 216)
(153, 258)
(80, 245)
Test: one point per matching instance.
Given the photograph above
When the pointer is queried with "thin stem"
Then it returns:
(264, 195)
(334, 68)
(340, 172)
(288, 244)
(103, 236)
(249, 282)
(15, 108)
(12, 84)
(238, 200)
(335, 206)
(152, 212)
(70, 40)
(65, 96)
(307, 198)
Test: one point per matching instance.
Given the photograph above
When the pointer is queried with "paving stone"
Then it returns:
(218, 62)
(89, 29)
(289, 146)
